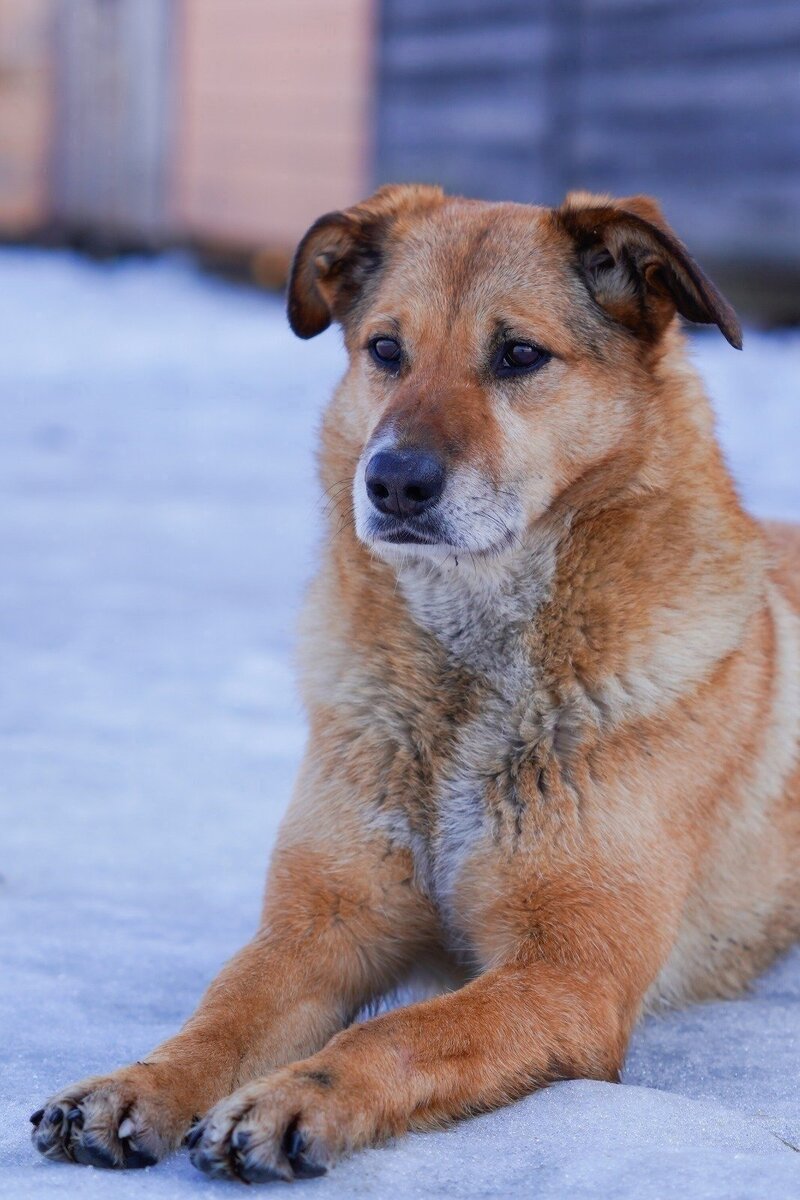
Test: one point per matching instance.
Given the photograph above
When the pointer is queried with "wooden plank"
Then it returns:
(698, 103)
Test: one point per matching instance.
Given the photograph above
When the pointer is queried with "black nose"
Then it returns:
(404, 482)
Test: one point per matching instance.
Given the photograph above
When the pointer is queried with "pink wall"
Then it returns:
(272, 115)
(26, 114)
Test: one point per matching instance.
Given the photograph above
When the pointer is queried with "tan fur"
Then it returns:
(558, 754)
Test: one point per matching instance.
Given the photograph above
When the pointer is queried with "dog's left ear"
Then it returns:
(637, 269)
(343, 251)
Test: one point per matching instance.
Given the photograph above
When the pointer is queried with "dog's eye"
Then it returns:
(518, 357)
(386, 352)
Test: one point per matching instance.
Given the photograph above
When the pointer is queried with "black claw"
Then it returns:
(56, 1115)
(307, 1169)
(257, 1173)
(241, 1138)
(193, 1136)
(76, 1116)
(35, 1117)
(239, 1144)
(90, 1153)
(294, 1143)
(295, 1147)
(134, 1157)
(209, 1162)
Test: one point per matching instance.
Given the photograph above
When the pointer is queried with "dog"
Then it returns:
(552, 677)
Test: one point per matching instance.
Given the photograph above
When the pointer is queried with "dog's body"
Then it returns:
(552, 672)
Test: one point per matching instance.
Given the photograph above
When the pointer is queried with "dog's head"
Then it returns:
(498, 352)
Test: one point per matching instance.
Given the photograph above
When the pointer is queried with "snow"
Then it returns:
(157, 522)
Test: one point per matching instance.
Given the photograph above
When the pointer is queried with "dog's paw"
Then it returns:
(293, 1124)
(119, 1120)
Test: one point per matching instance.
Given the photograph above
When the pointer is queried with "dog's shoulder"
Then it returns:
(783, 540)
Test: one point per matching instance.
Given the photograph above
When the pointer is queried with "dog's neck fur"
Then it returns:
(481, 609)
(548, 613)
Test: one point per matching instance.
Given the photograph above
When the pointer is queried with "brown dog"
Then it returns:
(552, 673)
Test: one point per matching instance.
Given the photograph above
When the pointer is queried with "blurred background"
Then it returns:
(229, 125)
(158, 510)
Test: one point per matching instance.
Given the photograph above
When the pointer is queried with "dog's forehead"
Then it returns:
(480, 261)
(469, 240)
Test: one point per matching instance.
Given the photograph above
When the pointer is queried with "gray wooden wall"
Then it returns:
(695, 101)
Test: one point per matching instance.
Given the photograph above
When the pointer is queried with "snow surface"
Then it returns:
(157, 521)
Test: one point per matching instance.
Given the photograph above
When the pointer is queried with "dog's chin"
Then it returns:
(396, 551)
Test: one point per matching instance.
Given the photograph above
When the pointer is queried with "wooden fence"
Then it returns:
(238, 121)
(695, 101)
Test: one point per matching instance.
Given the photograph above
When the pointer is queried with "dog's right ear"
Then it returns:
(343, 251)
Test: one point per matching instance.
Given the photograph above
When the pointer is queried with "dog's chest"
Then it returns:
(472, 738)
(467, 777)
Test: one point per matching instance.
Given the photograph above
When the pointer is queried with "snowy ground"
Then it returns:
(157, 521)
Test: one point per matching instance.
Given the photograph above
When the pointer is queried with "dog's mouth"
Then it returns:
(427, 536)
(472, 518)
(406, 533)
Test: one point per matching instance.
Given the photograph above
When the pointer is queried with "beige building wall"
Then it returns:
(272, 115)
(26, 114)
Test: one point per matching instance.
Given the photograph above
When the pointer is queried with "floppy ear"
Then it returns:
(343, 251)
(636, 268)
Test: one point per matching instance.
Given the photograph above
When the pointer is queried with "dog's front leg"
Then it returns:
(513, 1029)
(339, 926)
